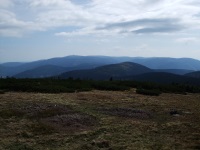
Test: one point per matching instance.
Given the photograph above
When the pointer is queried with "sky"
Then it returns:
(41, 29)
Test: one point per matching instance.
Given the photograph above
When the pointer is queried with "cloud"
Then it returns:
(157, 30)
(11, 26)
(98, 16)
(6, 3)
(188, 40)
(145, 26)
(41, 15)
(48, 3)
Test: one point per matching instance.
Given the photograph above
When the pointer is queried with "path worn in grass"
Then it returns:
(99, 120)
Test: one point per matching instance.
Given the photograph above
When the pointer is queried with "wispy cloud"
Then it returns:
(166, 29)
(98, 16)
(145, 26)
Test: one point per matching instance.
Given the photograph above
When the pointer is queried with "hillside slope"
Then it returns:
(73, 62)
(91, 62)
(41, 72)
(162, 77)
(108, 71)
(174, 71)
(195, 74)
(169, 63)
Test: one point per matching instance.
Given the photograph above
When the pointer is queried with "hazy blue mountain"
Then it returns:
(169, 63)
(42, 72)
(195, 74)
(2, 70)
(10, 68)
(6, 71)
(89, 62)
(76, 62)
(174, 71)
(108, 71)
(12, 64)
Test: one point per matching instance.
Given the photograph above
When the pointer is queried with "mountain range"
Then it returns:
(42, 72)
(108, 71)
(105, 67)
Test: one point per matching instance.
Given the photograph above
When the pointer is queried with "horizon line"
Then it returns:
(95, 56)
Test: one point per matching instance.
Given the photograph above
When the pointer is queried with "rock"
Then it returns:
(187, 112)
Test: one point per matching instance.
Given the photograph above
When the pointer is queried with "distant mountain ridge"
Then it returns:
(172, 65)
(169, 63)
(174, 71)
(12, 64)
(108, 71)
(76, 62)
(129, 71)
(42, 72)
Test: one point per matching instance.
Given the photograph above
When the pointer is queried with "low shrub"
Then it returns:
(108, 86)
(152, 92)
(49, 85)
(2, 92)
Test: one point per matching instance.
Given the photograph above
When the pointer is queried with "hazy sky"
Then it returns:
(37, 29)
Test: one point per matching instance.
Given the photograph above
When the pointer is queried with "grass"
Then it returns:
(148, 92)
(18, 146)
(10, 112)
(99, 120)
(39, 128)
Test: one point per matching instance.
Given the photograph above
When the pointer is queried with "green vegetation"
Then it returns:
(108, 86)
(2, 92)
(70, 85)
(43, 85)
